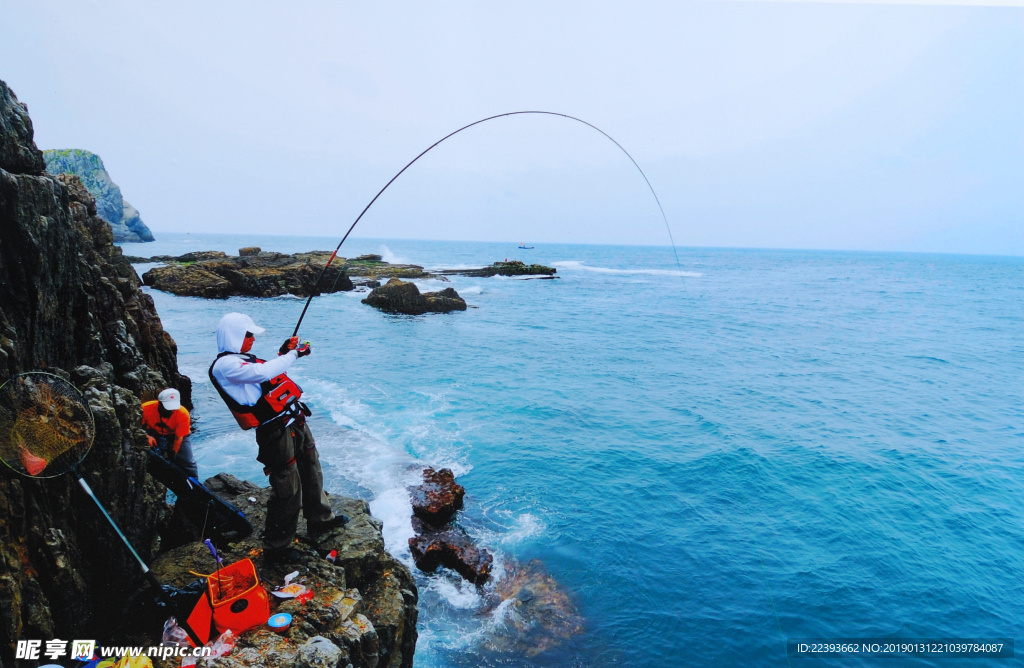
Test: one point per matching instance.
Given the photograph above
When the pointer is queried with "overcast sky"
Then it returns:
(787, 125)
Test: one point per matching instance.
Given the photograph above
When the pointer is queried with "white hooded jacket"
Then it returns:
(237, 376)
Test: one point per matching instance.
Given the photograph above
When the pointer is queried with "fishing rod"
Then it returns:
(295, 332)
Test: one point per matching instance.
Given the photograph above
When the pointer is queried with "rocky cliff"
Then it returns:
(110, 205)
(71, 305)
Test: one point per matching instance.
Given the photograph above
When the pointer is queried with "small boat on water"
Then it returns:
(523, 246)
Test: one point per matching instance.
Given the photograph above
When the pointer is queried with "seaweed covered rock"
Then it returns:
(215, 275)
(506, 268)
(374, 267)
(539, 613)
(71, 305)
(398, 296)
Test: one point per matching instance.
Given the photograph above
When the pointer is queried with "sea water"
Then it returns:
(763, 445)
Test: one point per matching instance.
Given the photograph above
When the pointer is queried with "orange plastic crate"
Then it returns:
(238, 598)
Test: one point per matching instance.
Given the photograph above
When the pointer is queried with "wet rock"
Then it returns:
(398, 296)
(439, 497)
(452, 548)
(248, 250)
(444, 301)
(537, 612)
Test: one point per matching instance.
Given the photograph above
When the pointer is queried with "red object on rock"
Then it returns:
(452, 548)
(439, 497)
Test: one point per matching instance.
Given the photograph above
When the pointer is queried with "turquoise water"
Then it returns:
(777, 444)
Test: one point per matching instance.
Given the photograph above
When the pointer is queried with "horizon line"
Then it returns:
(568, 243)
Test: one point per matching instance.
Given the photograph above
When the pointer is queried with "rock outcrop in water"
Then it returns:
(438, 498)
(538, 613)
(215, 275)
(451, 547)
(256, 273)
(439, 541)
(506, 268)
(398, 296)
(124, 219)
(71, 305)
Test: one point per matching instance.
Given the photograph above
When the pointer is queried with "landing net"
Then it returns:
(46, 427)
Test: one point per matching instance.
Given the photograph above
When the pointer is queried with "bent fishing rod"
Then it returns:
(313, 292)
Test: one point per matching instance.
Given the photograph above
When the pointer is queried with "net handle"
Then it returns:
(153, 582)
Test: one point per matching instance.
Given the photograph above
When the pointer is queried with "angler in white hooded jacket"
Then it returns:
(260, 395)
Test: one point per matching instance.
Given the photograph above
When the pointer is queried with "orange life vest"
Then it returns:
(279, 395)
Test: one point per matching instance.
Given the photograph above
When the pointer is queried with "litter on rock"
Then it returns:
(280, 622)
(291, 591)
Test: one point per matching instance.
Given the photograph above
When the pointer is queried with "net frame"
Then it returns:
(46, 425)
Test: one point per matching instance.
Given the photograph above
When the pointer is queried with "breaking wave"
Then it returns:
(575, 264)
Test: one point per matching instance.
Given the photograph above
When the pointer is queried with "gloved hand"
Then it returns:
(303, 349)
(289, 344)
(152, 441)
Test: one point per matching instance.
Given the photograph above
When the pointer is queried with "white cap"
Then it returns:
(170, 399)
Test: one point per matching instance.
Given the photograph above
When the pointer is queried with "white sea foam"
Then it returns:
(501, 612)
(391, 258)
(525, 526)
(456, 591)
(470, 290)
(364, 452)
(575, 264)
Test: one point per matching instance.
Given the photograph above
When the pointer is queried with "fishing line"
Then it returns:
(679, 267)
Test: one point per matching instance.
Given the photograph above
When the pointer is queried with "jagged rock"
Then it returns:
(123, 218)
(71, 305)
(540, 614)
(361, 640)
(506, 268)
(365, 602)
(439, 497)
(398, 296)
(18, 152)
(319, 652)
(248, 250)
(214, 275)
(257, 649)
(450, 547)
